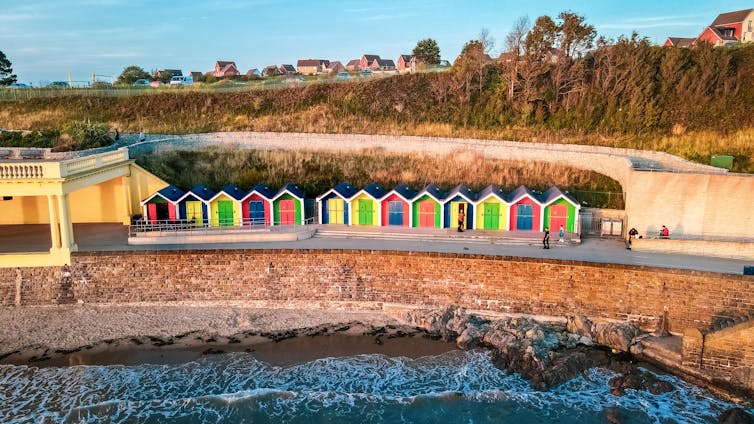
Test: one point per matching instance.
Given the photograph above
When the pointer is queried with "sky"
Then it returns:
(47, 39)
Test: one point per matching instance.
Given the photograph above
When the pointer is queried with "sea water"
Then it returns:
(454, 387)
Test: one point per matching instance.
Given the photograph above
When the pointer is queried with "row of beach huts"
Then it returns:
(373, 205)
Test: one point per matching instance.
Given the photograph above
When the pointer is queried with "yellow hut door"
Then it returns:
(194, 213)
(455, 209)
(335, 211)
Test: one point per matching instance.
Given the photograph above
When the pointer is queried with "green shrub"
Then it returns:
(81, 135)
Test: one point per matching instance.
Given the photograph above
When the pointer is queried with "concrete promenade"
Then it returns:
(113, 237)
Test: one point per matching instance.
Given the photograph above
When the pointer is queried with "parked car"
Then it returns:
(58, 84)
(366, 73)
(342, 75)
(141, 83)
(181, 80)
(18, 85)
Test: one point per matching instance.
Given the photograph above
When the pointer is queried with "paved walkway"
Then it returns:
(113, 237)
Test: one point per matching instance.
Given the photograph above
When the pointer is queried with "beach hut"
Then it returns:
(193, 206)
(256, 206)
(559, 209)
(426, 208)
(458, 200)
(332, 204)
(525, 210)
(364, 206)
(396, 206)
(491, 210)
(288, 205)
(225, 206)
(162, 205)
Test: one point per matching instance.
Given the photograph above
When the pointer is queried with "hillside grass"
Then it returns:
(317, 171)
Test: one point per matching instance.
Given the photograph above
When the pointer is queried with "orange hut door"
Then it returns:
(287, 212)
(427, 214)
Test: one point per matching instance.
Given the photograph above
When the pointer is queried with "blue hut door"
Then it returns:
(395, 212)
(256, 212)
(524, 217)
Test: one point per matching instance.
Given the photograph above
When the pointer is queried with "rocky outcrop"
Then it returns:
(735, 416)
(546, 354)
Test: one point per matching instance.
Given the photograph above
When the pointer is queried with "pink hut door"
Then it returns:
(427, 214)
(287, 212)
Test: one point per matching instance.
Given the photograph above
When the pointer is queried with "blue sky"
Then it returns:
(47, 39)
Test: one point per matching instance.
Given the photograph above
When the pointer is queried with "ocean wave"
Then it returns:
(237, 387)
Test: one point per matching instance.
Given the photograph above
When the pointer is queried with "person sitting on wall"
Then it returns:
(664, 232)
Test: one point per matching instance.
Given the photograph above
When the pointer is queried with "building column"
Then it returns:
(54, 230)
(126, 181)
(66, 226)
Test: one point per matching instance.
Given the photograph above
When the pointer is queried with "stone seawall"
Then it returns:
(505, 284)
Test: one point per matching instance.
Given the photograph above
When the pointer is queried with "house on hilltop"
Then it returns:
(406, 63)
(312, 66)
(286, 70)
(353, 65)
(383, 65)
(679, 42)
(336, 67)
(368, 60)
(254, 72)
(224, 69)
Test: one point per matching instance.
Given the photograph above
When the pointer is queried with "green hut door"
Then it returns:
(491, 216)
(225, 212)
(365, 212)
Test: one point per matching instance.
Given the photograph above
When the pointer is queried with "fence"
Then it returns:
(205, 226)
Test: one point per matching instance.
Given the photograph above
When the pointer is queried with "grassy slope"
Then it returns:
(317, 172)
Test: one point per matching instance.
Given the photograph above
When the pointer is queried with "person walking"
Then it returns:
(546, 240)
(561, 235)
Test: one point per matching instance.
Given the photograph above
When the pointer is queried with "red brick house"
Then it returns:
(224, 69)
(727, 29)
(336, 67)
(286, 70)
(369, 61)
(406, 63)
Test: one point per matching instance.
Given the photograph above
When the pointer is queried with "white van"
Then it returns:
(181, 80)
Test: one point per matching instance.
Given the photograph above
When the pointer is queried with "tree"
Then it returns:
(427, 52)
(6, 75)
(132, 73)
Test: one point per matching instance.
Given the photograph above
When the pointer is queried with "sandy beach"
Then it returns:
(132, 334)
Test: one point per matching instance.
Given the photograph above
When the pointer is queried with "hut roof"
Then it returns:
(405, 191)
(553, 194)
(521, 192)
(463, 191)
(291, 189)
(262, 190)
(344, 190)
(491, 191)
(234, 191)
(201, 191)
(375, 191)
(170, 193)
(433, 191)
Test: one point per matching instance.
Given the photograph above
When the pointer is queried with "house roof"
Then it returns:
(521, 192)
(553, 193)
(371, 57)
(335, 65)
(405, 191)
(308, 62)
(224, 63)
(288, 68)
(252, 71)
(344, 190)
(172, 72)
(719, 34)
(681, 41)
(407, 57)
(292, 189)
(463, 191)
(170, 193)
(262, 190)
(385, 62)
(373, 190)
(433, 191)
(491, 190)
(200, 191)
(731, 17)
(234, 191)
(353, 62)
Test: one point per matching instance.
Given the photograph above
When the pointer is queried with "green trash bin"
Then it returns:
(722, 161)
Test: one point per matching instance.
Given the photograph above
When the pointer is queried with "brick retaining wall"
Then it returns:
(505, 284)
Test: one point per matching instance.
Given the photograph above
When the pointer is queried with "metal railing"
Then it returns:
(192, 226)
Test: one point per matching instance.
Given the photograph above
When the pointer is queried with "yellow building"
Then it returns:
(103, 187)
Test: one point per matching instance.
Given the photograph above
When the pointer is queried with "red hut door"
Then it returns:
(287, 212)
(151, 212)
(558, 217)
(427, 214)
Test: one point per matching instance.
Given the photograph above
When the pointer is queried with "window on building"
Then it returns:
(7, 197)
(749, 26)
